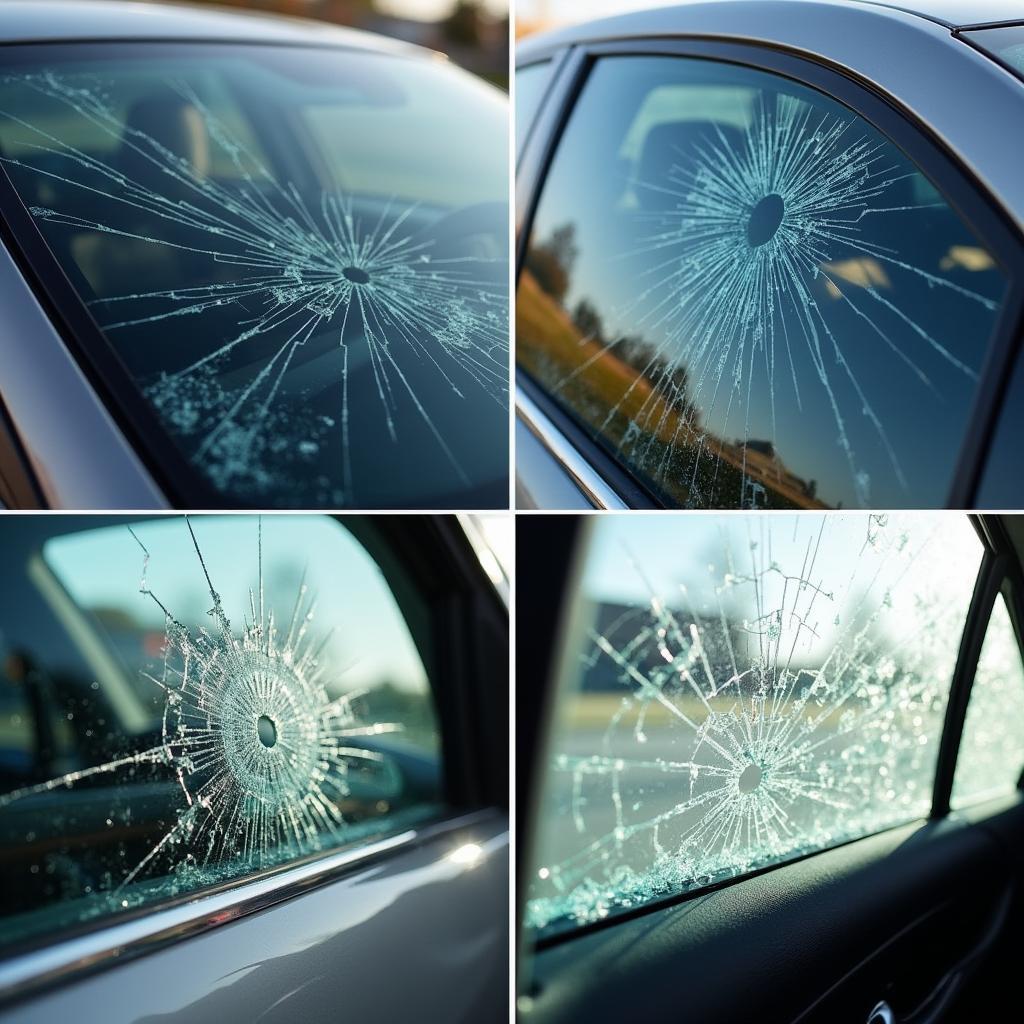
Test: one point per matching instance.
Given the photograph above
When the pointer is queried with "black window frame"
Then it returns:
(965, 195)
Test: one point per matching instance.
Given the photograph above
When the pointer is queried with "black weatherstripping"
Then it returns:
(461, 632)
(964, 193)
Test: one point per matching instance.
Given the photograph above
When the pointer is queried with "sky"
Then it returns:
(368, 643)
(629, 556)
(431, 10)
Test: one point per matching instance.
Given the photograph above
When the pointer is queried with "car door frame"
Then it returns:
(579, 452)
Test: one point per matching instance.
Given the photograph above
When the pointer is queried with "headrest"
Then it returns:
(171, 123)
(678, 144)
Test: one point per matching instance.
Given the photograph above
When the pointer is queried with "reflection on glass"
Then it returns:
(749, 296)
(739, 691)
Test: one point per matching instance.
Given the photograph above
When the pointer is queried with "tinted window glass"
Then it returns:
(531, 81)
(750, 296)
(737, 691)
(992, 745)
(256, 698)
(299, 256)
(1005, 44)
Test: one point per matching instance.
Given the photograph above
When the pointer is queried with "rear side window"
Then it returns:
(297, 260)
(991, 755)
(735, 692)
(186, 702)
(749, 296)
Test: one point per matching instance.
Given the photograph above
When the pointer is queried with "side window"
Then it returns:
(735, 692)
(991, 755)
(531, 82)
(185, 702)
(749, 296)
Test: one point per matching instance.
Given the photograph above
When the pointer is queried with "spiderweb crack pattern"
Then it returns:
(295, 269)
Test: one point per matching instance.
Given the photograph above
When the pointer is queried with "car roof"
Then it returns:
(951, 14)
(33, 21)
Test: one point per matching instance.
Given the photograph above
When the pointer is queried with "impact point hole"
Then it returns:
(750, 778)
(356, 275)
(765, 219)
(267, 731)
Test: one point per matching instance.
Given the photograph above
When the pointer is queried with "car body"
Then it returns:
(422, 891)
(933, 66)
(78, 431)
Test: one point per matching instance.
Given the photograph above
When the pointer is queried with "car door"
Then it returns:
(251, 767)
(774, 762)
(735, 268)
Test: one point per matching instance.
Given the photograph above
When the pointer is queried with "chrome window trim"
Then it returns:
(70, 958)
(589, 481)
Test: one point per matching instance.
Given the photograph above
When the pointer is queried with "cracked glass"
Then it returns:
(184, 702)
(737, 691)
(298, 257)
(750, 297)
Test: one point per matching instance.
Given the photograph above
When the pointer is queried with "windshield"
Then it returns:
(297, 256)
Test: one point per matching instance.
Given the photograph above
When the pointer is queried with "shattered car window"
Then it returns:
(299, 258)
(186, 701)
(991, 757)
(738, 691)
(750, 297)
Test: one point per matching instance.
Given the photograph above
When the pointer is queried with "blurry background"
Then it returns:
(540, 15)
(474, 33)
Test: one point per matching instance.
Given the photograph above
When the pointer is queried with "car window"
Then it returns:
(991, 756)
(736, 691)
(1005, 43)
(186, 702)
(531, 81)
(749, 296)
(298, 257)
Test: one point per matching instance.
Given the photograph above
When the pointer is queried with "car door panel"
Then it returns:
(822, 939)
(367, 946)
